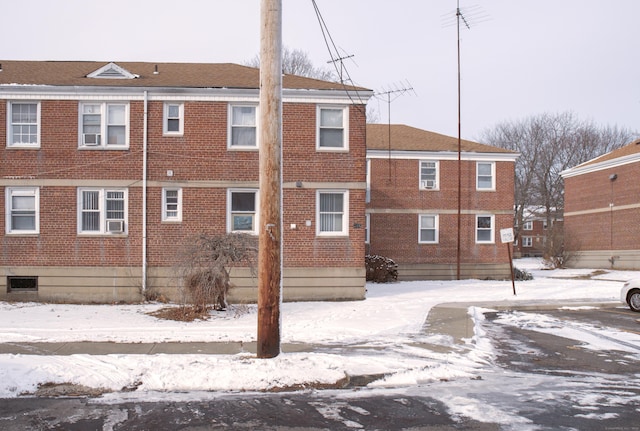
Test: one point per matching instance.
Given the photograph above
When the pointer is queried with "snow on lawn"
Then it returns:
(382, 327)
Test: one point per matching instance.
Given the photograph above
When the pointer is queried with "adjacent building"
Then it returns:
(108, 168)
(602, 210)
(437, 207)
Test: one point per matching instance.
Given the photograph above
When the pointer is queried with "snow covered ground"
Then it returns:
(385, 327)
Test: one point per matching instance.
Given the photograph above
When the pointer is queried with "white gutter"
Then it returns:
(144, 197)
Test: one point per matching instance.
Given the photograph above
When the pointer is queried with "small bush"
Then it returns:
(381, 269)
(521, 275)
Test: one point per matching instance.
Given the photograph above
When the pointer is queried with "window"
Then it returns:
(173, 122)
(22, 284)
(484, 229)
(485, 179)
(102, 211)
(528, 225)
(428, 229)
(429, 175)
(367, 229)
(243, 132)
(22, 210)
(242, 214)
(332, 214)
(171, 204)
(104, 125)
(332, 128)
(23, 126)
(527, 241)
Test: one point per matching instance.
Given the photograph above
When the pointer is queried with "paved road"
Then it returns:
(537, 381)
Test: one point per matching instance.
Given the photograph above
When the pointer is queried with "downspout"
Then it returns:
(144, 197)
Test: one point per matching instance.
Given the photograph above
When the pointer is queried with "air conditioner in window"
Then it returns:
(91, 139)
(115, 226)
(428, 184)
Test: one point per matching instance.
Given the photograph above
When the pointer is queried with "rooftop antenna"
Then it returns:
(392, 94)
(342, 68)
(476, 14)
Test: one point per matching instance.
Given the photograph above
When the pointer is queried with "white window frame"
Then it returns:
(10, 192)
(166, 216)
(166, 117)
(436, 228)
(528, 225)
(231, 126)
(424, 183)
(344, 230)
(10, 125)
(255, 213)
(345, 127)
(493, 176)
(102, 210)
(491, 229)
(102, 142)
(527, 241)
(367, 229)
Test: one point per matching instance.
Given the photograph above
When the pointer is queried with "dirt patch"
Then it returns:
(182, 313)
(53, 390)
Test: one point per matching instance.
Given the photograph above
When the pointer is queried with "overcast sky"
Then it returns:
(519, 58)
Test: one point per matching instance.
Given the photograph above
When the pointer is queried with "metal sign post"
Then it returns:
(506, 236)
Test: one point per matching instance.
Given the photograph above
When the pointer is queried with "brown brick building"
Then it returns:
(107, 169)
(602, 210)
(412, 207)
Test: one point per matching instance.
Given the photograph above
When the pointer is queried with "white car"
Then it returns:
(630, 294)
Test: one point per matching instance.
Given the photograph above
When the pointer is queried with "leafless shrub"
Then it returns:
(381, 269)
(204, 265)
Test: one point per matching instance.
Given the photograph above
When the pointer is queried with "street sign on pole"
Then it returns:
(506, 236)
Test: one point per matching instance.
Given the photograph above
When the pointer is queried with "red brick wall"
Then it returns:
(199, 155)
(603, 227)
(395, 235)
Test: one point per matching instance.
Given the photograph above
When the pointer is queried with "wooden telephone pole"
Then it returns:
(270, 230)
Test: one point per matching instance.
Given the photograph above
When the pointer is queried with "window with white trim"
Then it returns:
(528, 225)
(485, 229)
(102, 211)
(173, 119)
(243, 130)
(333, 128)
(332, 213)
(485, 175)
(172, 204)
(429, 175)
(527, 241)
(23, 124)
(367, 229)
(428, 229)
(242, 215)
(22, 213)
(104, 125)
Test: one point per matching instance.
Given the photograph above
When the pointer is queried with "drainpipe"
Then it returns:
(144, 198)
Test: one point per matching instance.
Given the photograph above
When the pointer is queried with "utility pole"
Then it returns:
(270, 219)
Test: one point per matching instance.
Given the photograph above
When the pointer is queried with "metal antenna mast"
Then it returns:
(479, 15)
(391, 95)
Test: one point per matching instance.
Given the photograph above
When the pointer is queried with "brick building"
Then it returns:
(412, 205)
(602, 210)
(536, 230)
(108, 168)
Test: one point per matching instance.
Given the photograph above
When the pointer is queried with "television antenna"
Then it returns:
(391, 94)
(465, 17)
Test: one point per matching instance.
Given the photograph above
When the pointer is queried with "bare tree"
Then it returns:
(297, 62)
(205, 262)
(549, 144)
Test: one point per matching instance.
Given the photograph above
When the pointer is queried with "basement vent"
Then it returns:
(22, 284)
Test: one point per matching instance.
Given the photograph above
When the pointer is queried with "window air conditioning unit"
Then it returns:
(115, 226)
(91, 139)
(428, 184)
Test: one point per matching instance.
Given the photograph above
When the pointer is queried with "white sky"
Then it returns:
(529, 57)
